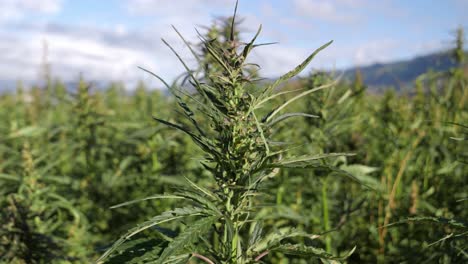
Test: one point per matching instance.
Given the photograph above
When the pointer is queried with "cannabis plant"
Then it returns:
(37, 225)
(451, 246)
(218, 224)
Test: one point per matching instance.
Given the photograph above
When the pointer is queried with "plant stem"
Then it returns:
(326, 220)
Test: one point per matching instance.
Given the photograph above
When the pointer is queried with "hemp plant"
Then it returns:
(240, 154)
(37, 225)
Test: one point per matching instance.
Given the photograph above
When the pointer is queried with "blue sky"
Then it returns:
(106, 40)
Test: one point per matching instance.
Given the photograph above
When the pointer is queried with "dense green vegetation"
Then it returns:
(233, 170)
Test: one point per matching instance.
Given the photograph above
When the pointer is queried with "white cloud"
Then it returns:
(329, 10)
(16, 9)
(70, 54)
(96, 59)
(168, 7)
(382, 50)
(267, 9)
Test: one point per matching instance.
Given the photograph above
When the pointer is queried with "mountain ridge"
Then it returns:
(401, 74)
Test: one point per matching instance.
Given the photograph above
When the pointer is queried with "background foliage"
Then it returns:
(68, 155)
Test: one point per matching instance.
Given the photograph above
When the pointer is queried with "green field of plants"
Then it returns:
(232, 168)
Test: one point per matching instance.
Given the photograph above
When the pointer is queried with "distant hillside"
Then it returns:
(401, 73)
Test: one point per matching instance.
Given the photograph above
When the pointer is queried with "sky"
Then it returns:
(107, 40)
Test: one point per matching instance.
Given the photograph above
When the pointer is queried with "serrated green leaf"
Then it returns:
(187, 44)
(200, 141)
(200, 200)
(299, 96)
(272, 239)
(153, 197)
(256, 234)
(203, 190)
(249, 45)
(308, 251)
(361, 172)
(138, 250)
(438, 220)
(295, 71)
(305, 160)
(289, 115)
(188, 237)
(163, 218)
